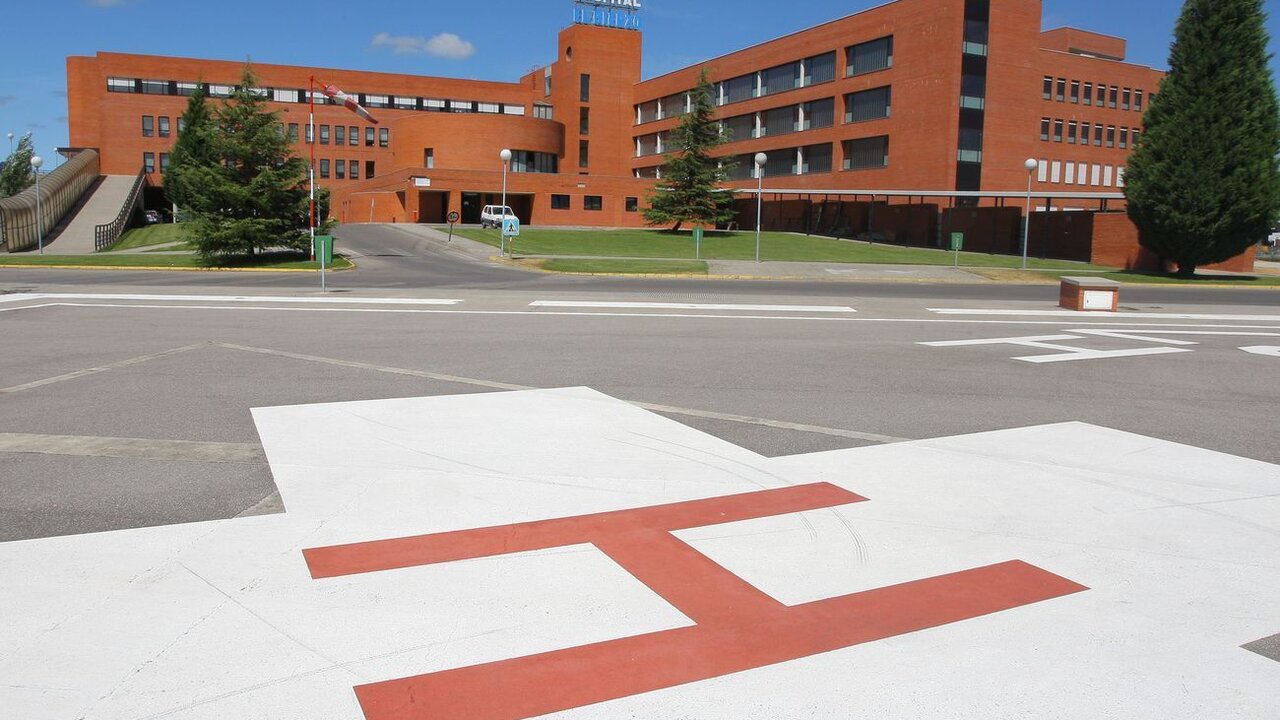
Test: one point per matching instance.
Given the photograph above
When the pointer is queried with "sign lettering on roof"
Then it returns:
(622, 14)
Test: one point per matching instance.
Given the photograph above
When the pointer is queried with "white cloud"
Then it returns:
(444, 45)
(448, 45)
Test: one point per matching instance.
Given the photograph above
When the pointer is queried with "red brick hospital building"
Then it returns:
(912, 95)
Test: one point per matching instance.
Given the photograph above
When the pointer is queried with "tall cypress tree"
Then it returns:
(691, 178)
(192, 160)
(255, 196)
(1203, 185)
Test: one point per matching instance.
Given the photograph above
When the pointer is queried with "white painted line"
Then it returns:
(1131, 336)
(247, 299)
(689, 306)
(1269, 351)
(493, 385)
(29, 307)
(1100, 355)
(1072, 313)
(1159, 330)
(1001, 341)
(18, 297)
(101, 368)
(1145, 327)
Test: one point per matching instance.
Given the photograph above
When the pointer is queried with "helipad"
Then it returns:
(522, 554)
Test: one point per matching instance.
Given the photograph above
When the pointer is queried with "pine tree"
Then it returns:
(255, 197)
(16, 175)
(689, 191)
(193, 158)
(1203, 185)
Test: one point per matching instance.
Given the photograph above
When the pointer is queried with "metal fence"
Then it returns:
(105, 236)
(59, 192)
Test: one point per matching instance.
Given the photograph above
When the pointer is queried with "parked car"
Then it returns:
(492, 215)
(151, 217)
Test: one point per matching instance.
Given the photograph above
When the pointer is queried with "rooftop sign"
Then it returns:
(622, 14)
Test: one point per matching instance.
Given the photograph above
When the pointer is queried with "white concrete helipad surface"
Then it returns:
(520, 554)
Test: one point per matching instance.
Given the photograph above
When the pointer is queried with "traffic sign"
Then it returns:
(453, 218)
(511, 227)
(957, 241)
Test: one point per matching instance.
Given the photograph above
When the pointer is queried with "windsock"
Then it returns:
(338, 96)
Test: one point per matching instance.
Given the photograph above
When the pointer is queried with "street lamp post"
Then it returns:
(36, 162)
(10, 143)
(502, 229)
(1031, 165)
(761, 159)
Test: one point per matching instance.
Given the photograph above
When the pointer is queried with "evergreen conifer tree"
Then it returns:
(193, 159)
(17, 175)
(1203, 184)
(255, 197)
(689, 191)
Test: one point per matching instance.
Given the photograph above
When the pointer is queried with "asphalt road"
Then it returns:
(119, 412)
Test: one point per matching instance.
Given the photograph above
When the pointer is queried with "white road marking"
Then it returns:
(1269, 351)
(690, 306)
(29, 307)
(1077, 318)
(1070, 353)
(1075, 314)
(1099, 354)
(493, 385)
(242, 298)
(99, 369)
(18, 297)
(1131, 336)
(1032, 341)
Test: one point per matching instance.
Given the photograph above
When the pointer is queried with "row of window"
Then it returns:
(150, 127)
(860, 154)
(345, 169)
(1087, 93)
(859, 59)
(594, 203)
(153, 126)
(873, 104)
(300, 96)
(342, 169)
(149, 162)
(1083, 133)
(1058, 172)
(339, 135)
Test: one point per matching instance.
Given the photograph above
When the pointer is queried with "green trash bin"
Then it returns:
(324, 249)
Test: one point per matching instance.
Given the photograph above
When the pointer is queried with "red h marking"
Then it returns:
(738, 627)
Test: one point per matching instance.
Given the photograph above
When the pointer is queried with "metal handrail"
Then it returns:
(104, 236)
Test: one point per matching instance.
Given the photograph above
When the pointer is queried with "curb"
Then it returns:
(160, 268)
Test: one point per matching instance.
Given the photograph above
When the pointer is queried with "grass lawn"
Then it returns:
(741, 246)
(626, 267)
(149, 235)
(268, 261)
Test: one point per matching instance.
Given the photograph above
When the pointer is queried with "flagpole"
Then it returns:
(311, 174)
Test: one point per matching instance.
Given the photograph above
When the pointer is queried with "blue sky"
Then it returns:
(498, 40)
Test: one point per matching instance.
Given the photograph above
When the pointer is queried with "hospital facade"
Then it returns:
(912, 95)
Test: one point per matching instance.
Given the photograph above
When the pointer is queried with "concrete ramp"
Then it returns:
(98, 206)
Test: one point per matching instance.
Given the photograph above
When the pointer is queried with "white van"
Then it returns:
(492, 215)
